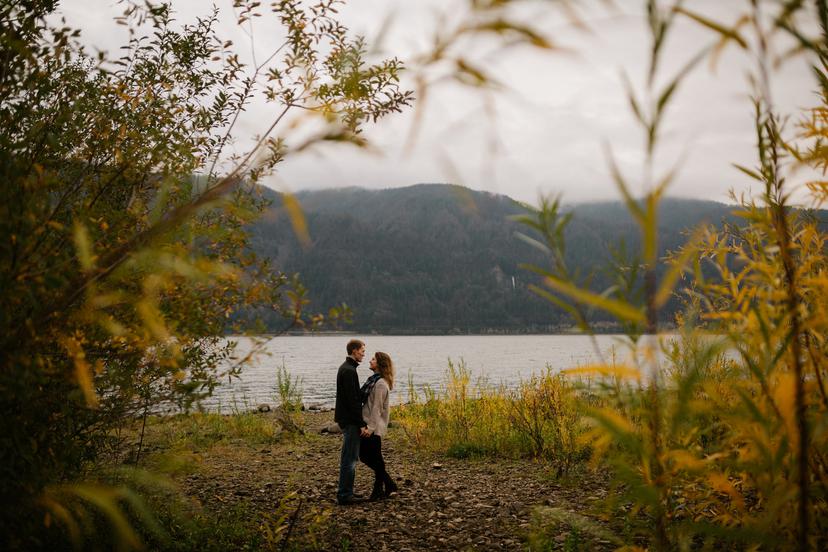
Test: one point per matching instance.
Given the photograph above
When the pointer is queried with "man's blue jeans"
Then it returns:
(348, 462)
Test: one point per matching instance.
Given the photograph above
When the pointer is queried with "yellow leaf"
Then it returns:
(106, 300)
(784, 395)
(83, 371)
(153, 318)
(107, 500)
(672, 276)
(297, 218)
(63, 516)
(599, 441)
(620, 309)
(113, 326)
(725, 32)
(614, 418)
(720, 482)
(617, 371)
(683, 460)
(83, 247)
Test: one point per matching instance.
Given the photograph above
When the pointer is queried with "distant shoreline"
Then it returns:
(353, 333)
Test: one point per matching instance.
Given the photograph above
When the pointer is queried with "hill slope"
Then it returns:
(442, 258)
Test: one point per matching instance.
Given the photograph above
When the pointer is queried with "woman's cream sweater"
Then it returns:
(376, 411)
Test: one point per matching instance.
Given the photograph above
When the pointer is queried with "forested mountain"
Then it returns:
(441, 258)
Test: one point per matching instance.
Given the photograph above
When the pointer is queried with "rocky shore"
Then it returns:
(443, 503)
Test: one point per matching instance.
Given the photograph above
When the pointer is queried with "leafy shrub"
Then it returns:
(544, 412)
(724, 446)
(539, 419)
(123, 215)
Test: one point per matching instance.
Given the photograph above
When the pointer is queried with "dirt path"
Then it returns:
(443, 503)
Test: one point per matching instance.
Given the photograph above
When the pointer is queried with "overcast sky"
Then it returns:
(546, 131)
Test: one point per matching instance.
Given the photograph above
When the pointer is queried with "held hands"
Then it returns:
(365, 432)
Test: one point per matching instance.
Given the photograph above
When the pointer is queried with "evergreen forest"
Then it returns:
(438, 258)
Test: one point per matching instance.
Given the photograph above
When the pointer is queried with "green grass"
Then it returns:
(177, 446)
(199, 431)
(466, 450)
(235, 527)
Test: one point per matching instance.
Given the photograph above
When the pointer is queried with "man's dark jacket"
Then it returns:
(348, 403)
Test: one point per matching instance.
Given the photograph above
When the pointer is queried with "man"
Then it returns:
(348, 414)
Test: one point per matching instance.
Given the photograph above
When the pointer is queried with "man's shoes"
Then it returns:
(350, 500)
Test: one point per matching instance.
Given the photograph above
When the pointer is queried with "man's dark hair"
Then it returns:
(353, 345)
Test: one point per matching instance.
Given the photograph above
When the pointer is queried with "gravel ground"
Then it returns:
(443, 503)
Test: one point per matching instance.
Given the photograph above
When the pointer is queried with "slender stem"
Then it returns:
(776, 202)
(293, 518)
(650, 290)
(809, 346)
(793, 301)
(143, 427)
(242, 99)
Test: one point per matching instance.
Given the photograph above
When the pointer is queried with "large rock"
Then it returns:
(332, 427)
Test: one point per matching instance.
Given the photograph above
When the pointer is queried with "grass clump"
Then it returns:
(539, 419)
(239, 525)
(202, 430)
(289, 391)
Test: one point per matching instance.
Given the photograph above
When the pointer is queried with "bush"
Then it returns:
(124, 257)
(544, 412)
(725, 447)
(538, 420)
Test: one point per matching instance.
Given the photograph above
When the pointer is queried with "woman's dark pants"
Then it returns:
(370, 453)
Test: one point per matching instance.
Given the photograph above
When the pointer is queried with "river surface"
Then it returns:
(314, 360)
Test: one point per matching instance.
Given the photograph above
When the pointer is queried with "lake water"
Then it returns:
(315, 359)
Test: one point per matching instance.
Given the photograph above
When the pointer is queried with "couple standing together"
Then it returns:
(362, 414)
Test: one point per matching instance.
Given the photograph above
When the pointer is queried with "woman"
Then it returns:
(375, 412)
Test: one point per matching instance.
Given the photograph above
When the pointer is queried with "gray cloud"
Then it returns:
(545, 132)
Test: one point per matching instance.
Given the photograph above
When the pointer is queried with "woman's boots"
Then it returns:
(390, 486)
(377, 493)
(382, 480)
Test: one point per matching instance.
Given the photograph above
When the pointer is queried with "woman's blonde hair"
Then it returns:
(385, 368)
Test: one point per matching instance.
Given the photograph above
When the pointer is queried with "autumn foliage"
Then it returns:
(124, 251)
